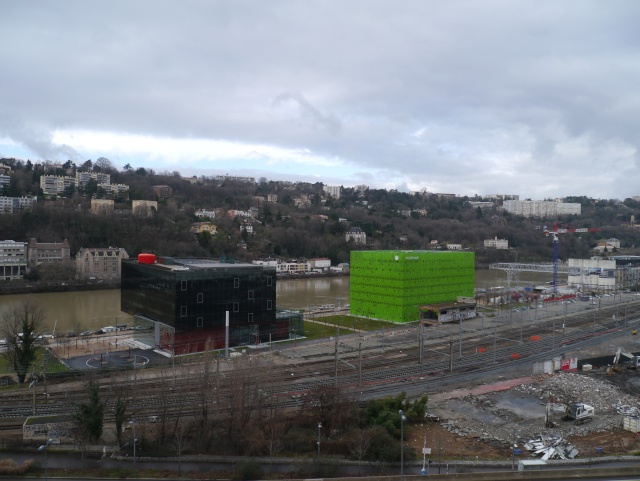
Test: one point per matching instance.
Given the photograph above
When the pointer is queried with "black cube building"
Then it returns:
(185, 303)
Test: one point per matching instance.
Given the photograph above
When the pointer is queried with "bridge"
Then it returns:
(513, 269)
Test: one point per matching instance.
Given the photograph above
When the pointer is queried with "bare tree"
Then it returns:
(180, 441)
(21, 327)
(274, 429)
(359, 442)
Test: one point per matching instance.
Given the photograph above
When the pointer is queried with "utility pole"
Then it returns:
(319, 428)
(460, 333)
(450, 355)
(359, 364)
(421, 343)
(335, 381)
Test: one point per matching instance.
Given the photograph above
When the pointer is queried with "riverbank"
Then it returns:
(29, 287)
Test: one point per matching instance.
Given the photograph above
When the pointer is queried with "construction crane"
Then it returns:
(562, 230)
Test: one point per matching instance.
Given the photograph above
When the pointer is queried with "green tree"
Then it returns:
(21, 328)
(90, 415)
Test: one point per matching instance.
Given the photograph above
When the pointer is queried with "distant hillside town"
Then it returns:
(79, 221)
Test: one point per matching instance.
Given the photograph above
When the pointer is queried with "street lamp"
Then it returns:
(44, 448)
(402, 420)
(319, 427)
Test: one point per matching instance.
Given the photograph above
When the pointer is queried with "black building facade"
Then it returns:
(185, 302)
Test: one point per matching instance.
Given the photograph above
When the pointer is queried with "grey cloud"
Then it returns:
(490, 79)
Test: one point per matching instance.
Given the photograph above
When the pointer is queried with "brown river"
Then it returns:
(91, 310)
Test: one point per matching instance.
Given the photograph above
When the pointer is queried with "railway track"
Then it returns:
(383, 367)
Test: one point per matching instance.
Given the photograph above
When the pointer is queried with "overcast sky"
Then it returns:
(530, 97)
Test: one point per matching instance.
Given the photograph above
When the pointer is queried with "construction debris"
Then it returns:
(627, 410)
(551, 447)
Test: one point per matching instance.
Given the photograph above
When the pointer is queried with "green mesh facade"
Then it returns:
(392, 284)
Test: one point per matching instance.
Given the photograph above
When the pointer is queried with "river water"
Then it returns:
(90, 310)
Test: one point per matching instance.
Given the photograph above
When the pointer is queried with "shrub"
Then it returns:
(247, 471)
(10, 467)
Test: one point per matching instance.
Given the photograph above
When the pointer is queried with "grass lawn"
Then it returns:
(53, 365)
(314, 330)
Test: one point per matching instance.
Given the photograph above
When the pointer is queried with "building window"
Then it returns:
(183, 311)
(236, 282)
(183, 285)
(269, 280)
(269, 304)
(236, 307)
(250, 317)
(200, 297)
(200, 322)
(251, 295)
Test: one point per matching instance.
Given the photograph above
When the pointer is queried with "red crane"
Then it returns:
(562, 230)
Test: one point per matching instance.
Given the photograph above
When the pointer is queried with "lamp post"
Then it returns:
(402, 420)
(513, 452)
(44, 448)
(319, 428)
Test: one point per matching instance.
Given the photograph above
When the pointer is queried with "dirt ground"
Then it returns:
(451, 446)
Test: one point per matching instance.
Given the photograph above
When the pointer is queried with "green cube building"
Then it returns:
(391, 285)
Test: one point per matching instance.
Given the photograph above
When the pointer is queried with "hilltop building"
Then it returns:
(541, 208)
(496, 243)
(162, 191)
(144, 208)
(102, 206)
(357, 235)
(333, 190)
(13, 205)
(402, 286)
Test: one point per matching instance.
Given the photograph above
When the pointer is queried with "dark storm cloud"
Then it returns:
(531, 97)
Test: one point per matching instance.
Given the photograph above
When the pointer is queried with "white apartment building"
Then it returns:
(13, 260)
(496, 243)
(83, 178)
(4, 180)
(332, 190)
(56, 184)
(541, 208)
(114, 189)
(13, 205)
